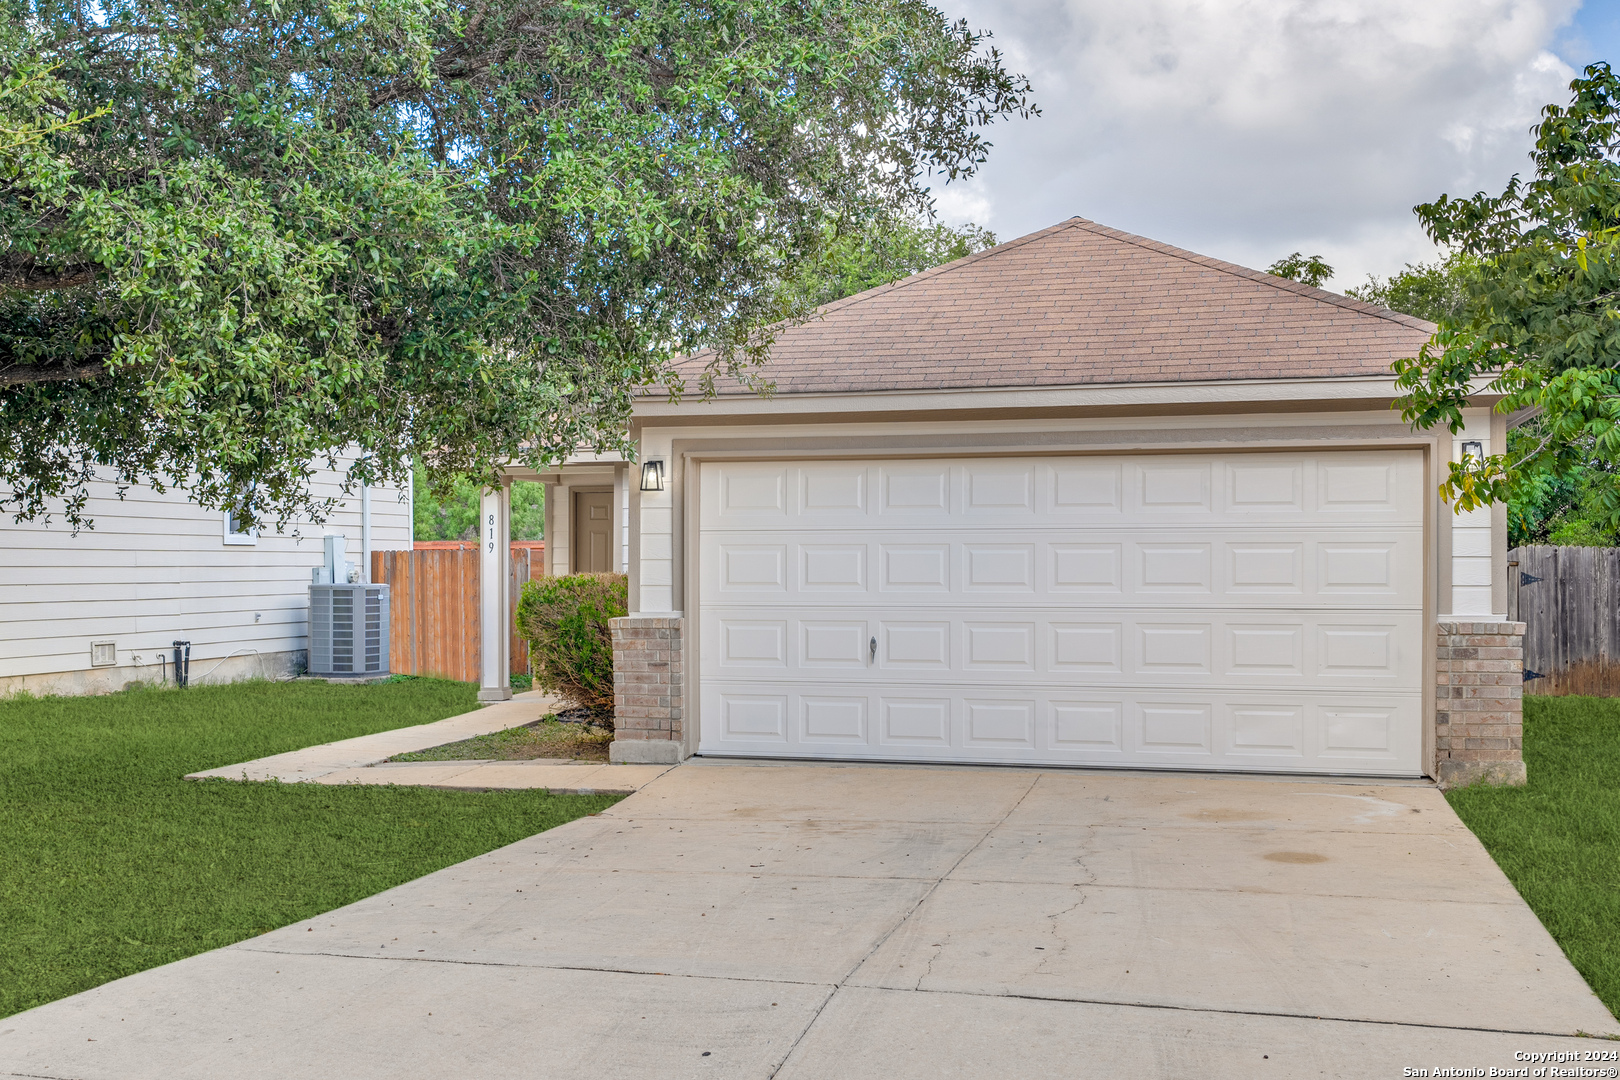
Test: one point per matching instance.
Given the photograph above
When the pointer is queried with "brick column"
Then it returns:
(648, 683)
(1479, 703)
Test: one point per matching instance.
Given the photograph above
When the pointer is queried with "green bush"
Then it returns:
(565, 620)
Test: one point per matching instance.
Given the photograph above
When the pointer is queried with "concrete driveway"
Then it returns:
(739, 920)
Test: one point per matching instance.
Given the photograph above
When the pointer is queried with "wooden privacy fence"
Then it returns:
(1569, 600)
(433, 607)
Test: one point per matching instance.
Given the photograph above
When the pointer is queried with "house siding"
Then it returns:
(155, 568)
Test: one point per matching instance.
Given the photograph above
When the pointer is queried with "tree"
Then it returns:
(1310, 270)
(851, 261)
(854, 258)
(1545, 509)
(453, 515)
(1538, 273)
(240, 241)
(1431, 291)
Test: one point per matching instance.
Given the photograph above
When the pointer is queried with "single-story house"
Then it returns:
(98, 610)
(1081, 499)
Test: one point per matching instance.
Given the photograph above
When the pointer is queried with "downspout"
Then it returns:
(365, 533)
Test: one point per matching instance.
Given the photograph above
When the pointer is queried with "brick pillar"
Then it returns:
(1479, 703)
(648, 683)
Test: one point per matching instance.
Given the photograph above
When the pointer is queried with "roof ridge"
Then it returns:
(910, 279)
(944, 268)
(1281, 283)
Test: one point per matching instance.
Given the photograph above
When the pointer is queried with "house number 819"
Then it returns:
(492, 534)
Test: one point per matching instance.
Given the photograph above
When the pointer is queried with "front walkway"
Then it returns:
(871, 923)
(364, 759)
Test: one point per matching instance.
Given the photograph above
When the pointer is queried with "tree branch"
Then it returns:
(23, 274)
(33, 374)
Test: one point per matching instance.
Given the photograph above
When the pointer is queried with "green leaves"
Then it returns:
(1532, 309)
(1310, 270)
(403, 231)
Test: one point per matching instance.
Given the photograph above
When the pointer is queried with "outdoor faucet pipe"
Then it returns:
(182, 664)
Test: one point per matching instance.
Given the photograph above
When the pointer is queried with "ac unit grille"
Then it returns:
(348, 630)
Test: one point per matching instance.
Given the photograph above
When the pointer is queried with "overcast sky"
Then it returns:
(1248, 129)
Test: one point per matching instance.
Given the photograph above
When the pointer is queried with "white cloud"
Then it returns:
(1247, 129)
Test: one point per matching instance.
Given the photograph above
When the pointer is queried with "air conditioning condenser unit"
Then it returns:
(348, 630)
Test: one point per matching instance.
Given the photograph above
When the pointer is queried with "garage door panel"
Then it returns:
(1224, 611)
(831, 643)
(1077, 648)
(1265, 567)
(914, 645)
(1372, 733)
(833, 568)
(1174, 486)
(1084, 568)
(757, 494)
(999, 722)
(754, 643)
(915, 567)
(1174, 566)
(832, 719)
(1090, 487)
(1265, 486)
(1006, 645)
(999, 491)
(1274, 729)
(832, 489)
(991, 646)
(1174, 727)
(920, 721)
(1093, 729)
(997, 567)
(914, 491)
(1366, 485)
(1225, 567)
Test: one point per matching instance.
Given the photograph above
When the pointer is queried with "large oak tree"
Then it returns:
(1528, 305)
(239, 237)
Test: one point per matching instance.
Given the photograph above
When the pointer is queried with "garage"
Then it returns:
(1084, 498)
(1255, 611)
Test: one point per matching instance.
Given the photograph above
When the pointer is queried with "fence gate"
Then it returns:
(1569, 600)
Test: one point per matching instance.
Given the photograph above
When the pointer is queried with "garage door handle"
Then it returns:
(871, 650)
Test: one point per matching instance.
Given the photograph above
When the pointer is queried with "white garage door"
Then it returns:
(1238, 611)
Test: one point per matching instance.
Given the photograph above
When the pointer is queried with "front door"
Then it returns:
(593, 532)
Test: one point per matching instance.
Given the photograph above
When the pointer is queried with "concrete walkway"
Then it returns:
(870, 923)
(364, 760)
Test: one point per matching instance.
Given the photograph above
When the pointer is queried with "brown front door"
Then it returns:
(593, 532)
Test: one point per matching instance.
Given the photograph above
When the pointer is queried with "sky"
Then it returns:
(1249, 129)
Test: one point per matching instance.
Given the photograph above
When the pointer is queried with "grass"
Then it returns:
(541, 739)
(1558, 837)
(114, 864)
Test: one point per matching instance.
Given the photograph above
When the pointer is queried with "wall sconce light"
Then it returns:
(1473, 450)
(652, 476)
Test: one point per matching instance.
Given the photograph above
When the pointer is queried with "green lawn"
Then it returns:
(1558, 837)
(113, 863)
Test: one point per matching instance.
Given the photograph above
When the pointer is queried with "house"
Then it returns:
(97, 611)
(1081, 499)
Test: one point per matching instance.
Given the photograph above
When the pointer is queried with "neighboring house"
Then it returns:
(101, 610)
(1081, 499)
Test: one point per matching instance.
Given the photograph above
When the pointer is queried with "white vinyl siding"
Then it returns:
(157, 567)
(1213, 611)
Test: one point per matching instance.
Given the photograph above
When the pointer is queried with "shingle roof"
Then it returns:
(1083, 304)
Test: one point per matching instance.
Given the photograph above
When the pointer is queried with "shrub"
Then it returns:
(565, 620)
